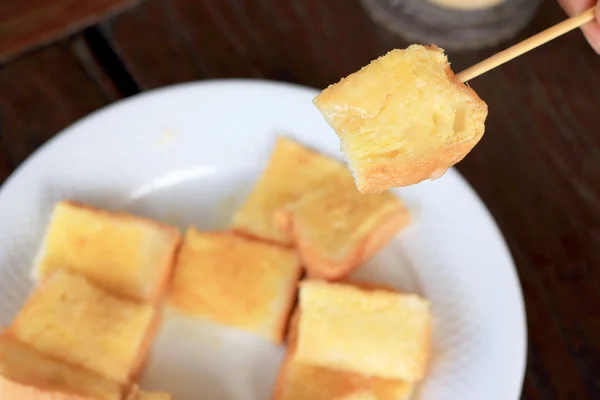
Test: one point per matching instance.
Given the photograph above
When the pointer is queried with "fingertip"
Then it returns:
(592, 34)
(575, 7)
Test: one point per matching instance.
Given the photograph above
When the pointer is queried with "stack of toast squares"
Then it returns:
(280, 273)
(86, 330)
(354, 341)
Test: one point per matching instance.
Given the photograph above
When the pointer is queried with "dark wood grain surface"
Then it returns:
(40, 95)
(25, 24)
(537, 168)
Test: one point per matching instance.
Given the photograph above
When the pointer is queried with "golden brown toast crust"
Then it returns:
(143, 356)
(284, 322)
(381, 177)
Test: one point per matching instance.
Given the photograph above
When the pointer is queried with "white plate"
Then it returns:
(188, 155)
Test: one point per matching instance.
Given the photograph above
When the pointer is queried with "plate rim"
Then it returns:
(74, 129)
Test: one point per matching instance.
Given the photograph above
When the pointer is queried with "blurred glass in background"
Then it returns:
(453, 24)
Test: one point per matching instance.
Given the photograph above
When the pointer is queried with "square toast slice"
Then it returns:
(403, 118)
(70, 319)
(125, 254)
(369, 332)
(336, 228)
(301, 381)
(27, 374)
(236, 281)
(292, 171)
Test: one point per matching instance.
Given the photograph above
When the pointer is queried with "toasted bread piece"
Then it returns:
(236, 281)
(137, 394)
(369, 332)
(300, 381)
(127, 255)
(292, 171)
(403, 118)
(336, 228)
(26, 374)
(71, 319)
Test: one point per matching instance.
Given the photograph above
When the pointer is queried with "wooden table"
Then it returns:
(537, 168)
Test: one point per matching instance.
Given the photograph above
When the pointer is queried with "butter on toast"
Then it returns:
(369, 332)
(125, 254)
(336, 228)
(26, 374)
(403, 118)
(69, 318)
(292, 171)
(236, 281)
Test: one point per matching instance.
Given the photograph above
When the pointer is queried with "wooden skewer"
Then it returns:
(526, 45)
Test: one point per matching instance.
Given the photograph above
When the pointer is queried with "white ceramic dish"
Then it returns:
(188, 155)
